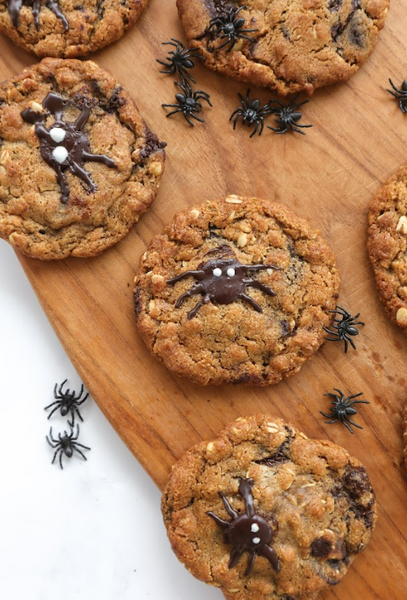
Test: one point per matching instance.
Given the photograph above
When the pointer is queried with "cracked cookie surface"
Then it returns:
(316, 498)
(298, 45)
(78, 165)
(235, 291)
(387, 245)
(61, 28)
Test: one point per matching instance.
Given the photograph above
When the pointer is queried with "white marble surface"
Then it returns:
(94, 530)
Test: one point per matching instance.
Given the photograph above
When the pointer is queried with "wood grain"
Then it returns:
(359, 138)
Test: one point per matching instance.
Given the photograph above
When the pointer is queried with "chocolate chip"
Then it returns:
(320, 547)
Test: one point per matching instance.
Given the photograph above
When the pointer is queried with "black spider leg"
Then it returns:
(401, 95)
(54, 6)
(14, 12)
(55, 444)
(74, 407)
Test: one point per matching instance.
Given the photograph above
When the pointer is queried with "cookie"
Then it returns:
(265, 513)
(60, 28)
(235, 291)
(387, 245)
(288, 46)
(78, 165)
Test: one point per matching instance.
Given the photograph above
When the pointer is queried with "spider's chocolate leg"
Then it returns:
(184, 276)
(14, 11)
(218, 520)
(245, 490)
(83, 117)
(82, 174)
(53, 5)
(36, 13)
(250, 564)
(99, 158)
(252, 302)
(255, 283)
(61, 182)
(198, 288)
(193, 312)
(229, 509)
(271, 556)
(234, 557)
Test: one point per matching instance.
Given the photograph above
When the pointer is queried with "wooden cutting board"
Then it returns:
(359, 138)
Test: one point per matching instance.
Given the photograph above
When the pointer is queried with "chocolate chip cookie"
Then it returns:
(78, 165)
(236, 291)
(60, 28)
(387, 245)
(265, 513)
(288, 46)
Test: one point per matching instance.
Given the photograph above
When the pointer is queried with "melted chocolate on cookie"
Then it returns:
(65, 145)
(14, 8)
(247, 532)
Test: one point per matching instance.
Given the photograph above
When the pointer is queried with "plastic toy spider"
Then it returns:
(346, 327)
(247, 532)
(251, 113)
(400, 94)
(287, 116)
(342, 407)
(67, 402)
(231, 27)
(188, 102)
(14, 8)
(222, 282)
(66, 445)
(179, 60)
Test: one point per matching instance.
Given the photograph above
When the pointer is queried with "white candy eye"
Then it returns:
(231, 272)
(256, 540)
(254, 528)
(60, 153)
(57, 134)
(217, 272)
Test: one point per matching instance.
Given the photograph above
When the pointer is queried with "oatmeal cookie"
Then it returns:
(60, 28)
(235, 291)
(387, 245)
(288, 46)
(265, 513)
(78, 165)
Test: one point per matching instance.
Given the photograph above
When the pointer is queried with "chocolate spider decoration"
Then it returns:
(223, 281)
(188, 102)
(65, 145)
(66, 445)
(67, 402)
(251, 113)
(400, 94)
(247, 532)
(288, 116)
(342, 407)
(179, 60)
(229, 27)
(14, 7)
(345, 327)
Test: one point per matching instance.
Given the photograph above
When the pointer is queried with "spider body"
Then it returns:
(288, 116)
(400, 94)
(15, 6)
(346, 326)
(180, 60)
(230, 28)
(247, 532)
(67, 402)
(223, 281)
(251, 113)
(66, 445)
(343, 407)
(188, 102)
